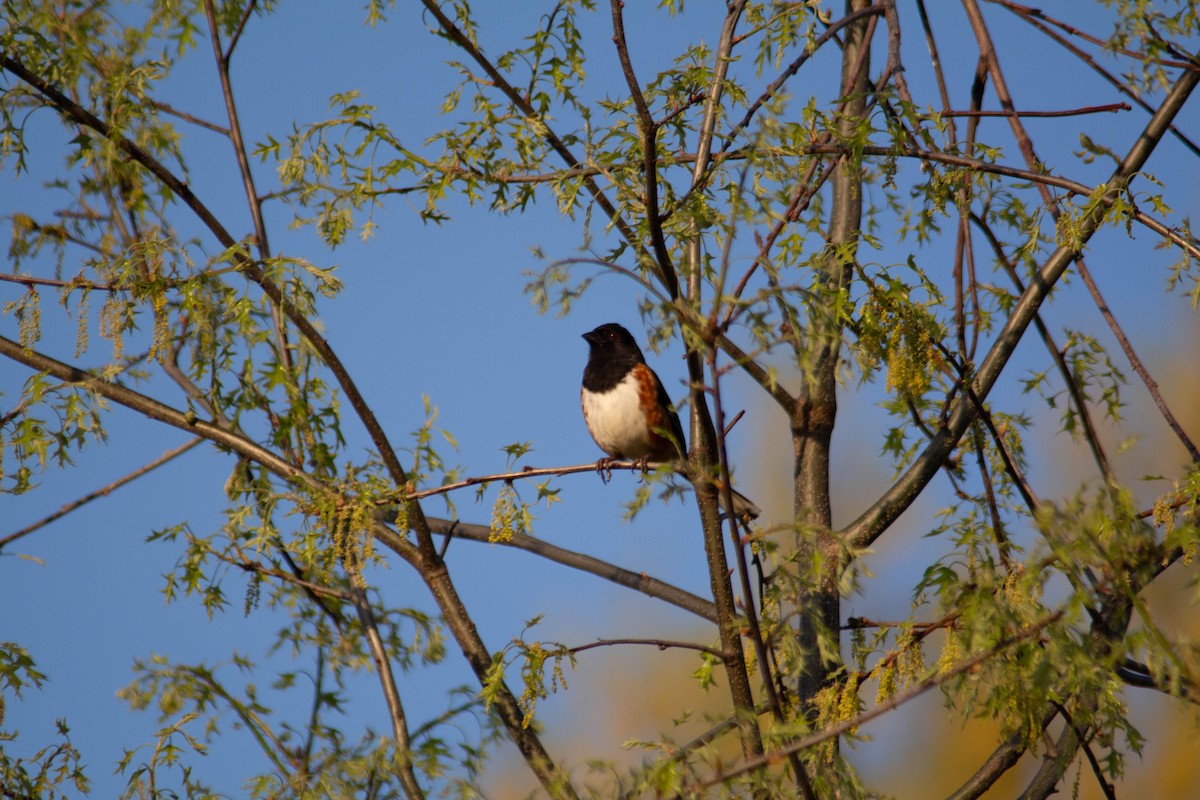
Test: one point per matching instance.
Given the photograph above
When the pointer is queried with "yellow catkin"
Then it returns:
(849, 704)
(912, 662)
(1164, 514)
(29, 319)
(951, 654)
(160, 347)
(504, 516)
(81, 323)
(887, 682)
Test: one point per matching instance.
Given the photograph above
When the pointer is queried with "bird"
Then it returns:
(628, 411)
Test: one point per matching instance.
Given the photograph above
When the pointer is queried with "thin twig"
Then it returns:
(103, 491)
(1081, 735)
(527, 472)
(661, 644)
(186, 117)
(251, 7)
(247, 565)
(863, 623)
(427, 727)
(1111, 108)
(1138, 365)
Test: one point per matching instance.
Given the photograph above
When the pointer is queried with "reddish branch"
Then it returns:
(661, 644)
(1070, 112)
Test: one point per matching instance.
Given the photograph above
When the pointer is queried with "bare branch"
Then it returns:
(661, 644)
(529, 472)
(639, 581)
(103, 491)
(1110, 108)
(1138, 366)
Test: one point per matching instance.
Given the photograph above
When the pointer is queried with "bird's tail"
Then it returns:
(743, 507)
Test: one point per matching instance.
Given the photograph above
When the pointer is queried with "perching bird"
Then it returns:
(626, 408)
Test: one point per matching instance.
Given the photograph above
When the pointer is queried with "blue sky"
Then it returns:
(439, 311)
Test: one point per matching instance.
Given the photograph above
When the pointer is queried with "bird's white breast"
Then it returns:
(616, 421)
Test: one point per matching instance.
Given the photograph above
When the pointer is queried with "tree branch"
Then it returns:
(1110, 108)
(383, 669)
(103, 491)
(703, 455)
(875, 520)
(1002, 759)
(661, 644)
(648, 132)
(639, 581)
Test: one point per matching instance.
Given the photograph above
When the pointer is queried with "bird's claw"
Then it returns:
(604, 468)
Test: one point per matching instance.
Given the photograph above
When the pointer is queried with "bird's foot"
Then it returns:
(604, 467)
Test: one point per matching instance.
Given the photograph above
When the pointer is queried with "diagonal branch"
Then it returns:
(1073, 390)
(103, 491)
(876, 519)
(639, 581)
(160, 412)
(1002, 759)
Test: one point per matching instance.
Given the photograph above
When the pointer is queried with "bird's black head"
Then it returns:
(612, 353)
(612, 339)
